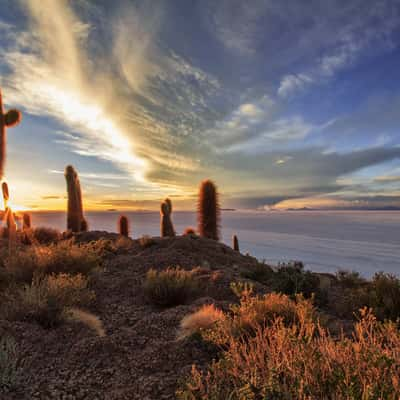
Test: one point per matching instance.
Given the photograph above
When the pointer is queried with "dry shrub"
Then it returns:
(171, 287)
(146, 241)
(63, 257)
(90, 320)
(46, 300)
(302, 361)
(204, 318)
(44, 235)
(349, 279)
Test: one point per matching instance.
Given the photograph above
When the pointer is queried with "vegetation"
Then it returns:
(46, 300)
(171, 287)
(189, 231)
(123, 226)
(7, 120)
(289, 355)
(208, 210)
(167, 228)
(75, 218)
(235, 243)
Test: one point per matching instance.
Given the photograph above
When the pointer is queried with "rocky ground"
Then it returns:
(140, 356)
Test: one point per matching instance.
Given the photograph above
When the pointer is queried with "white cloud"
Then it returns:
(292, 83)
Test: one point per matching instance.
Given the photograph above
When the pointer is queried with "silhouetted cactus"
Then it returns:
(75, 211)
(26, 221)
(235, 243)
(6, 194)
(208, 210)
(7, 120)
(84, 225)
(123, 225)
(167, 228)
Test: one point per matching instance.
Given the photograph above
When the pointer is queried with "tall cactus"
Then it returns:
(6, 194)
(167, 228)
(123, 226)
(208, 210)
(9, 218)
(235, 243)
(7, 120)
(75, 219)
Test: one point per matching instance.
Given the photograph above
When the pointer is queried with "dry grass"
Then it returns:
(44, 235)
(202, 319)
(146, 241)
(90, 320)
(46, 300)
(63, 257)
(300, 360)
(171, 287)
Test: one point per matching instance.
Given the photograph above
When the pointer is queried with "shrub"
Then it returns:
(349, 279)
(291, 279)
(46, 300)
(384, 296)
(8, 362)
(292, 362)
(204, 318)
(260, 272)
(62, 257)
(171, 287)
(90, 320)
(44, 235)
(146, 241)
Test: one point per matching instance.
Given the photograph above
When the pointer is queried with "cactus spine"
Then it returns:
(235, 243)
(167, 228)
(75, 219)
(7, 120)
(208, 210)
(123, 225)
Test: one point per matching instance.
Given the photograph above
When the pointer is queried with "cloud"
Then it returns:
(387, 179)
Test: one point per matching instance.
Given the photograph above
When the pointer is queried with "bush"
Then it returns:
(382, 294)
(350, 279)
(171, 287)
(44, 235)
(255, 312)
(63, 257)
(291, 279)
(46, 300)
(204, 318)
(146, 241)
(260, 272)
(283, 361)
(8, 363)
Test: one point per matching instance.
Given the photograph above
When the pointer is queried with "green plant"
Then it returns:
(349, 279)
(291, 279)
(208, 211)
(8, 362)
(171, 287)
(123, 226)
(259, 272)
(7, 120)
(75, 210)
(167, 228)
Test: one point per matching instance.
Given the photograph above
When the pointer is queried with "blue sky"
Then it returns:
(284, 104)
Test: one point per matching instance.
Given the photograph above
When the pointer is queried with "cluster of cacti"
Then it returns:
(75, 219)
(208, 211)
(167, 228)
(7, 120)
(123, 226)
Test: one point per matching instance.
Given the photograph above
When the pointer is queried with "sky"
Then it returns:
(284, 104)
